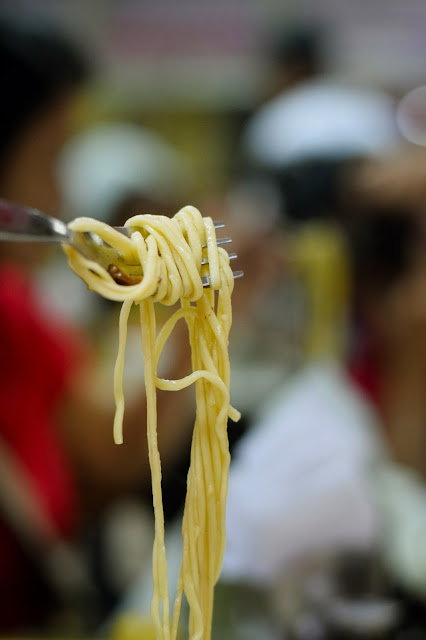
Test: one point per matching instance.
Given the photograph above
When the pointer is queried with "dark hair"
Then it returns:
(38, 65)
(381, 243)
(299, 45)
(310, 189)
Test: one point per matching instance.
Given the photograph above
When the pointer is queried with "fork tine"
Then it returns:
(206, 279)
(221, 241)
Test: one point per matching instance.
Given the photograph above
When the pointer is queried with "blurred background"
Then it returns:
(303, 126)
(193, 71)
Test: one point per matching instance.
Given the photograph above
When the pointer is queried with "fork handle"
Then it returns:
(23, 224)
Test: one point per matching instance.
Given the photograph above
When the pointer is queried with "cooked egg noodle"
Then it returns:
(168, 253)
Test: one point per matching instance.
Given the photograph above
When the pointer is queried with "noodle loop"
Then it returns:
(162, 261)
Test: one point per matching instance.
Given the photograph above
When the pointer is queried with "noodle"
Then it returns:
(167, 255)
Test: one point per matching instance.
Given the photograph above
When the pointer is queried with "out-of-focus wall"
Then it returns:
(192, 68)
(207, 54)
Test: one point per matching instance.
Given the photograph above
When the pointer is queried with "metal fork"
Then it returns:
(24, 224)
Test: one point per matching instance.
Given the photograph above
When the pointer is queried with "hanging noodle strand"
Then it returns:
(161, 261)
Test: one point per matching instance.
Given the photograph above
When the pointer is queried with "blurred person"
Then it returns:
(388, 365)
(335, 463)
(295, 151)
(111, 171)
(301, 139)
(58, 462)
(315, 123)
(307, 483)
(391, 245)
(103, 165)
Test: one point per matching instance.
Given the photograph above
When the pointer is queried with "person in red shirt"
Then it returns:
(57, 458)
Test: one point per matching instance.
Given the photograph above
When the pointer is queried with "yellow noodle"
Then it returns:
(168, 254)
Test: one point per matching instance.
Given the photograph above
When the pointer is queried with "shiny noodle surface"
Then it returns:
(167, 253)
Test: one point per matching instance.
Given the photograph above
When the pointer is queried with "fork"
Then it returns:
(24, 224)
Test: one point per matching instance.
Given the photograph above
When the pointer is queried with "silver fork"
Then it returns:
(24, 224)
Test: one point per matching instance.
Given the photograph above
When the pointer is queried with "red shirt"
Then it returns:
(37, 358)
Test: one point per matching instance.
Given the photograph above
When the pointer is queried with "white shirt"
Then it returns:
(299, 483)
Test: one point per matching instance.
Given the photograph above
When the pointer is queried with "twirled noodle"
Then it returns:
(167, 253)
